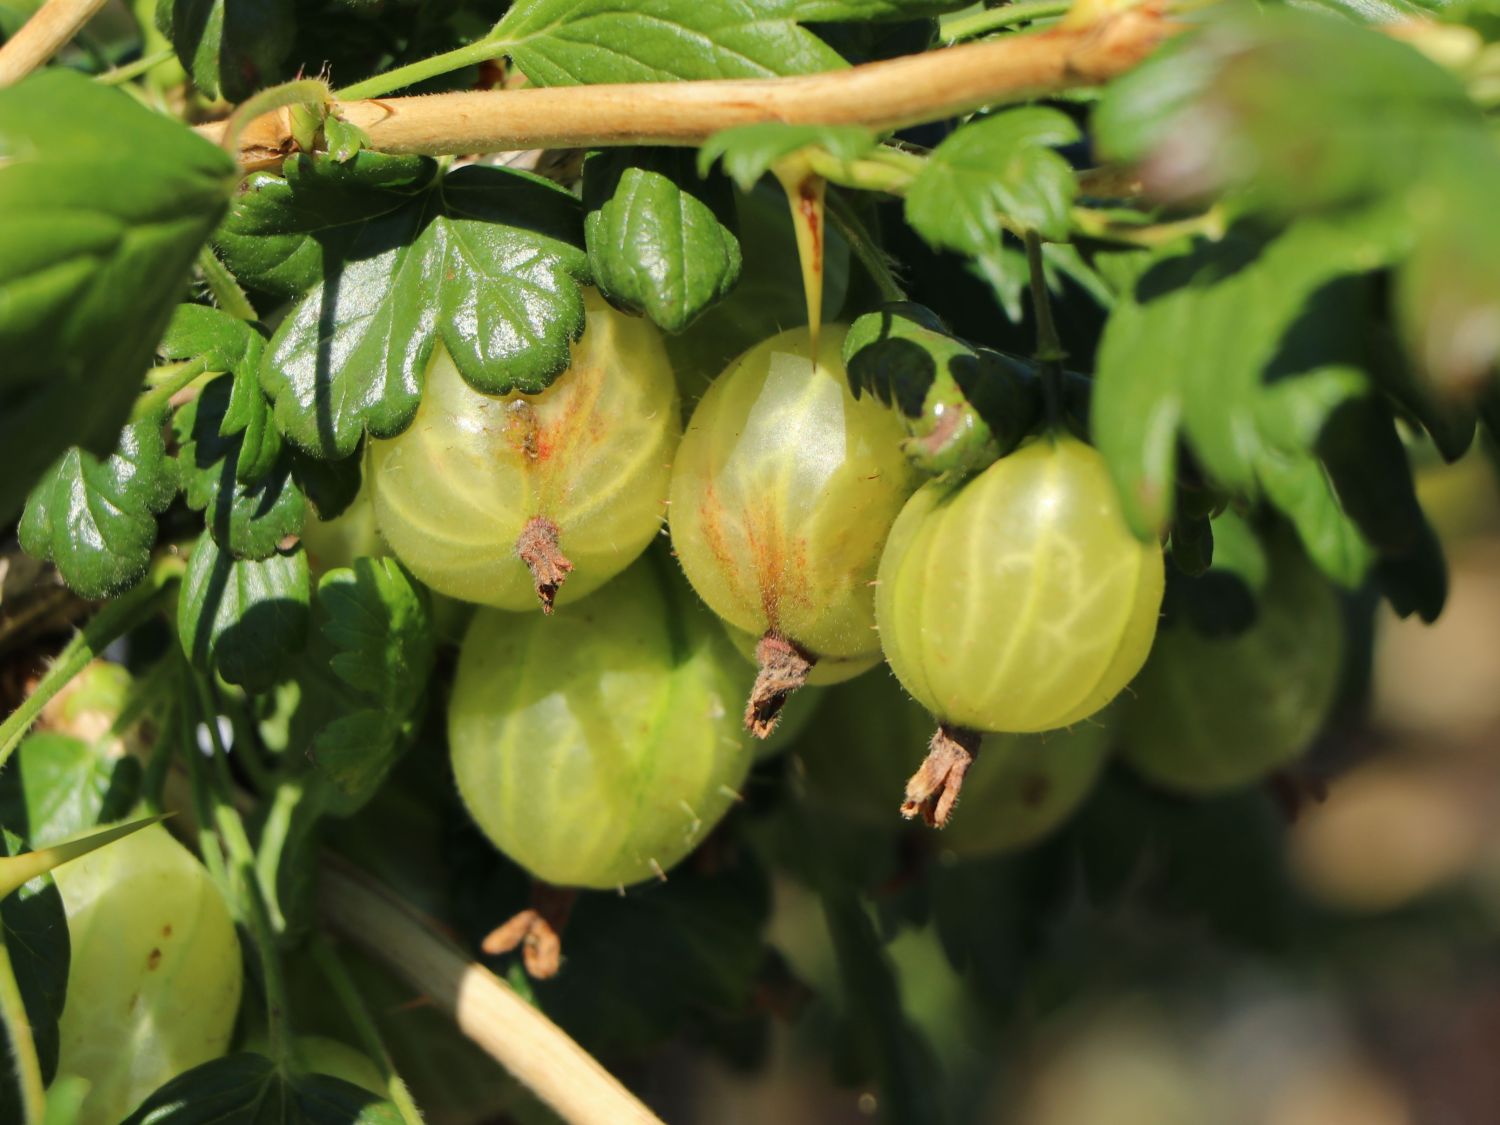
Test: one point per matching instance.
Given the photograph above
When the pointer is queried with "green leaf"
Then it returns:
(231, 47)
(221, 341)
(247, 520)
(489, 260)
(995, 171)
(36, 938)
(748, 151)
(1243, 348)
(226, 343)
(248, 1089)
(1223, 599)
(567, 42)
(60, 786)
(660, 239)
(1299, 110)
(103, 206)
(286, 233)
(377, 629)
(329, 486)
(962, 406)
(97, 520)
(243, 617)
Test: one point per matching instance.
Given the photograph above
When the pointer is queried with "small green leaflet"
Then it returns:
(251, 1089)
(377, 631)
(247, 520)
(97, 520)
(749, 151)
(231, 47)
(660, 239)
(570, 42)
(487, 260)
(60, 787)
(103, 206)
(243, 617)
(995, 172)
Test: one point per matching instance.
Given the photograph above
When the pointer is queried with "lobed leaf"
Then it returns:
(992, 172)
(660, 239)
(97, 520)
(249, 520)
(1252, 350)
(103, 206)
(488, 259)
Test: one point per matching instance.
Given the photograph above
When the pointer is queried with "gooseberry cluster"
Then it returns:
(597, 742)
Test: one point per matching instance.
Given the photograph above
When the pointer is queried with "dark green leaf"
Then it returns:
(247, 520)
(287, 233)
(243, 617)
(1229, 344)
(97, 521)
(996, 171)
(565, 42)
(36, 938)
(329, 486)
(749, 151)
(660, 239)
(489, 261)
(1222, 599)
(103, 206)
(248, 1089)
(230, 47)
(962, 406)
(376, 627)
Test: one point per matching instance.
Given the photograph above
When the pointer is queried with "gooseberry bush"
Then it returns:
(541, 485)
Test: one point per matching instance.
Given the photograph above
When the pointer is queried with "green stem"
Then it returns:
(252, 898)
(865, 175)
(423, 69)
(994, 19)
(1049, 349)
(158, 397)
(107, 626)
(122, 74)
(364, 1026)
(27, 1069)
(222, 284)
(273, 838)
(865, 248)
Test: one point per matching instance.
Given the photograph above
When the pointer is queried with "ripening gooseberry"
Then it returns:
(155, 973)
(784, 489)
(597, 749)
(499, 500)
(1214, 713)
(1015, 601)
